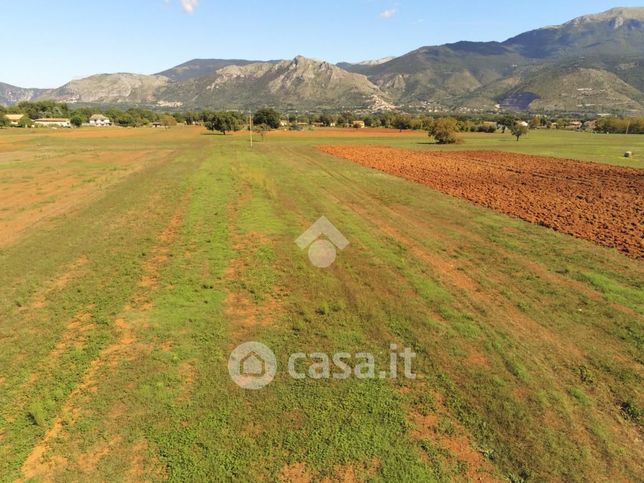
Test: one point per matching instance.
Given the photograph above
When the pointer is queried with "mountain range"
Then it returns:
(591, 64)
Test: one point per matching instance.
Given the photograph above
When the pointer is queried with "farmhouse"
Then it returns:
(590, 125)
(53, 122)
(99, 120)
(14, 119)
(573, 125)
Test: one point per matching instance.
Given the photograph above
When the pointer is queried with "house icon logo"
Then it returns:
(322, 251)
(252, 365)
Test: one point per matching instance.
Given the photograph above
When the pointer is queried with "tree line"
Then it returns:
(616, 125)
(225, 121)
(268, 118)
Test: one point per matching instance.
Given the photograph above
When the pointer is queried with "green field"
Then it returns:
(134, 260)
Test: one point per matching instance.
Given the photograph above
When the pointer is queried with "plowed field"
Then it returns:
(601, 203)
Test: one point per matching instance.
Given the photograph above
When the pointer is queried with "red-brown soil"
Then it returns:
(601, 203)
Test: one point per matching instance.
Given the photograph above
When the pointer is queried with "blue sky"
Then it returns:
(47, 43)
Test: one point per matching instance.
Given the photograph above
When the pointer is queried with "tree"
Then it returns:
(444, 130)
(402, 122)
(36, 110)
(427, 123)
(191, 118)
(224, 122)
(386, 119)
(268, 116)
(217, 122)
(518, 130)
(25, 121)
(506, 122)
(327, 120)
(368, 121)
(84, 113)
(345, 119)
(124, 119)
(167, 120)
(76, 121)
(180, 117)
(4, 122)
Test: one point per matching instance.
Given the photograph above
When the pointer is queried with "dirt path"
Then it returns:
(600, 203)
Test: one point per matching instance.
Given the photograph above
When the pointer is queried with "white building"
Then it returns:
(99, 120)
(53, 122)
(14, 119)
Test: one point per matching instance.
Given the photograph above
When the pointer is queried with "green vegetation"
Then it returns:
(405, 121)
(444, 130)
(614, 125)
(518, 130)
(76, 120)
(167, 120)
(268, 117)
(223, 121)
(230, 121)
(527, 340)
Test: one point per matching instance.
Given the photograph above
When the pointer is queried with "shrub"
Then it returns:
(37, 414)
(76, 121)
(630, 409)
(444, 130)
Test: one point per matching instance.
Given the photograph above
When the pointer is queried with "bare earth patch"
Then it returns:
(295, 473)
(426, 426)
(596, 202)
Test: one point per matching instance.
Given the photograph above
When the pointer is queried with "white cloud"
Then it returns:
(388, 13)
(189, 5)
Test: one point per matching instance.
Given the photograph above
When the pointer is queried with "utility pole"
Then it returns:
(250, 127)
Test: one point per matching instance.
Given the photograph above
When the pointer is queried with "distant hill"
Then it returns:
(298, 83)
(594, 63)
(616, 32)
(110, 89)
(440, 75)
(12, 95)
(573, 87)
(478, 75)
(358, 67)
(200, 67)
